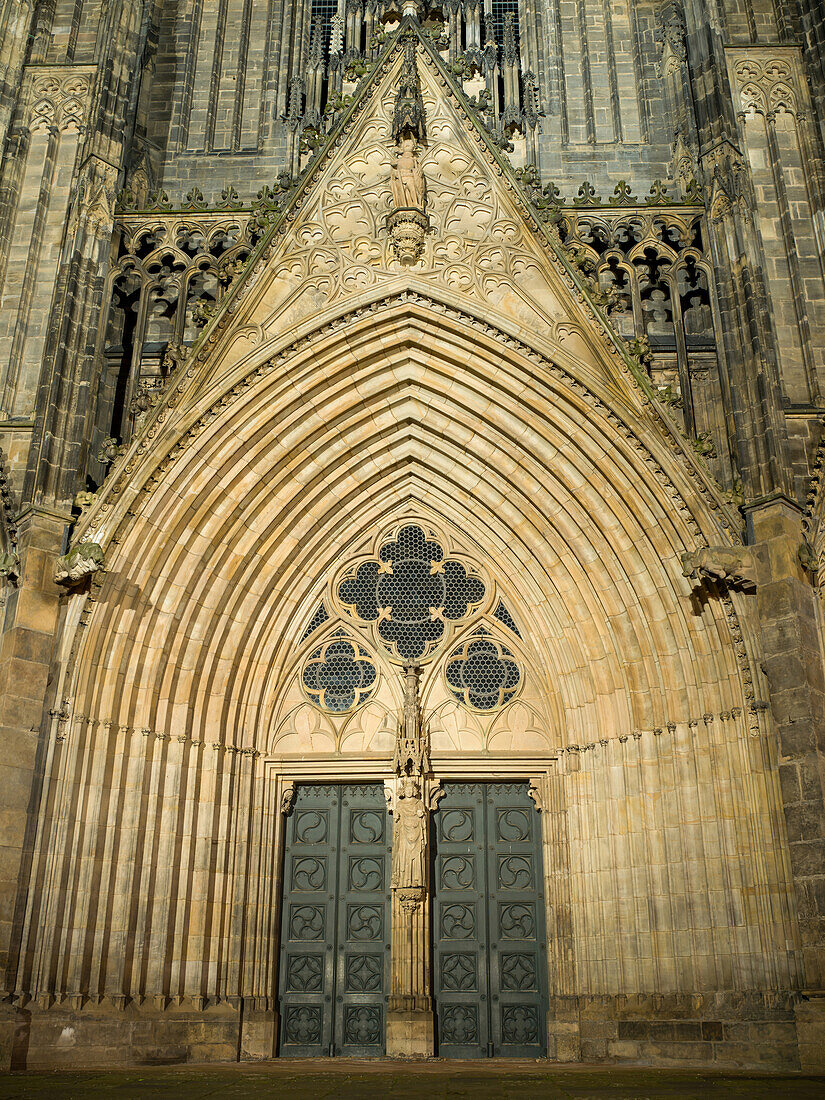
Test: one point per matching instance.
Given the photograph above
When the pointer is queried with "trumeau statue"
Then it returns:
(409, 836)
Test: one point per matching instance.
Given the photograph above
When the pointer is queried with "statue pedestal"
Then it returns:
(408, 228)
(410, 1027)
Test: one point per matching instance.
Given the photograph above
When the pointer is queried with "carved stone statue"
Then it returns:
(409, 187)
(80, 562)
(730, 565)
(408, 116)
(410, 746)
(407, 222)
(409, 836)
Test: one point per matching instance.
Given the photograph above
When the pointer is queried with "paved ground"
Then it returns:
(348, 1080)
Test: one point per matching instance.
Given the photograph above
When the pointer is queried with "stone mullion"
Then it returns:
(682, 361)
(410, 1015)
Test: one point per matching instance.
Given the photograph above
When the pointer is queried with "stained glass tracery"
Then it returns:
(411, 590)
(482, 673)
(339, 674)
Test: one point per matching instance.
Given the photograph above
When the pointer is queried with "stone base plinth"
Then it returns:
(410, 1034)
(730, 1030)
(106, 1034)
(782, 1031)
(810, 1031)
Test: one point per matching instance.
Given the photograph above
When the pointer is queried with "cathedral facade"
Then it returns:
(412, 530)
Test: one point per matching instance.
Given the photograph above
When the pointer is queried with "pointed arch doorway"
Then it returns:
(413, 912)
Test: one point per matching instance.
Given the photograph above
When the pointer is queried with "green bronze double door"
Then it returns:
(489, 948)
(489, 952)
(335, 923)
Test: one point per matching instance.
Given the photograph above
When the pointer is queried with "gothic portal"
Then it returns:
(411, 530)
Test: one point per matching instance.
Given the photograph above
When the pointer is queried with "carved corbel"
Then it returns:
(288, 791)
(734, 567)
(9, 566)
(434, 796)
(534, 790)
(81, 561)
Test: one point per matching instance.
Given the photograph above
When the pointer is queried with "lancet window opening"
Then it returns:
(169, 275)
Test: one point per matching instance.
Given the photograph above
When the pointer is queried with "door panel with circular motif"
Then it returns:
(335, 922)
(489, 945)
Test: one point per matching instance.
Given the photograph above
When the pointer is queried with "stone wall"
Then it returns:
(684, 823)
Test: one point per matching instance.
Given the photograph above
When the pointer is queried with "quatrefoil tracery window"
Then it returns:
(339, 675)
(411, 596)
(411, 591)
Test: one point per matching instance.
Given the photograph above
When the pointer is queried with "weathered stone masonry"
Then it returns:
(544, 280)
